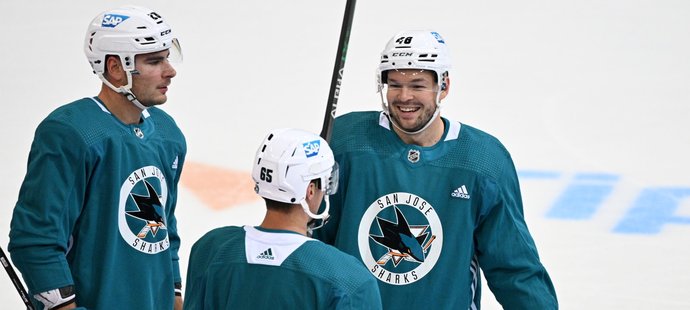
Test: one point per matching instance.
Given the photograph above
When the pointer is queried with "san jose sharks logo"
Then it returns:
(149, 211)
(141, 218)
(400, 238)
(404, 242)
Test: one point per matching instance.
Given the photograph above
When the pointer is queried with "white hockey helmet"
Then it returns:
(424, 50)
(414, 49)
(287, 161)
(126, 32)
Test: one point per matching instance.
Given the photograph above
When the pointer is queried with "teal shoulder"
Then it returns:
(82, 120)
(87, 120)
(218, 236)
(205, 250)
(478, 151)
(360, 131)
(336, 266)
(165, 124)
(82, 112)
(346, 123)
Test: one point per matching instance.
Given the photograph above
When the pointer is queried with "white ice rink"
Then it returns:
(592, 98)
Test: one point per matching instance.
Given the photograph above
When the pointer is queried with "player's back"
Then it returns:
(250, 268)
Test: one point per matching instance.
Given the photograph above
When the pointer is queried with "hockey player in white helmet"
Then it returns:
(94, 224)
(426, 202)
(129, 33)
(288, 164)
(414, 66)
(293, 171)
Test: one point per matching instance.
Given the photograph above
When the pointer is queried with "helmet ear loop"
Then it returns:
(314, 223)
(125, 90)
(443, 87)
(384, 103)
(321, 216)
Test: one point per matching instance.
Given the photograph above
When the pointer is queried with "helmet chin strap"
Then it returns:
(386, 109)
(125, 90)
(323, 216)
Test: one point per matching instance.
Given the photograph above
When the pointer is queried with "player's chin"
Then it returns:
(409, 125)
(413, 128)
(158, 100)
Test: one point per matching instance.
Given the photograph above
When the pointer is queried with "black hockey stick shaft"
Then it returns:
(15, 280)
(338, 69)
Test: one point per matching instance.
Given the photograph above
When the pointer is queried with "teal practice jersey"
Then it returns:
(253, 268)
(96, 208)
(424, 220)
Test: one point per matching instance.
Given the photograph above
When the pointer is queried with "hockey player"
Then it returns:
(276, 265)
(94, 224)
(427, 202)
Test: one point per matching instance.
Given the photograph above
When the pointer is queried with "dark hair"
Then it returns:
(277, 205)
(285, 206)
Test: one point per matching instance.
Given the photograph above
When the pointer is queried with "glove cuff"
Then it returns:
(56, 298)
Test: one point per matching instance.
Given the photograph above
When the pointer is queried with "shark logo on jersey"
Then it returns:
(149, 210)
(400, 238)
(141, 219)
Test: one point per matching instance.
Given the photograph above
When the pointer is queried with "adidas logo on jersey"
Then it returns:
(461, 192)
(268, 254)
(174, 164)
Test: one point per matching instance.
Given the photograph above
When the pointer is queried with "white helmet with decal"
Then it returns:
(287, 161)
(424, 50)
(126, 32)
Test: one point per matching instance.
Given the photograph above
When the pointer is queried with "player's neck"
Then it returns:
(291, 220)
(426, 138)
(119, 106)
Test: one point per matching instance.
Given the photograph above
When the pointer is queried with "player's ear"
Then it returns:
(114, 70)
(311, 190)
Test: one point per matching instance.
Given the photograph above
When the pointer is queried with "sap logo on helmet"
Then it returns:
(112, 20)
(402, 54)
(311, 148)
(438, 37)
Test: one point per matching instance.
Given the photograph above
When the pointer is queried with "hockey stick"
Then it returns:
(15, 280)
(337, 77)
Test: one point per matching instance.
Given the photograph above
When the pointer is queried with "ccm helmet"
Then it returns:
(126, 32)
(287, 161)
(423, 50)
